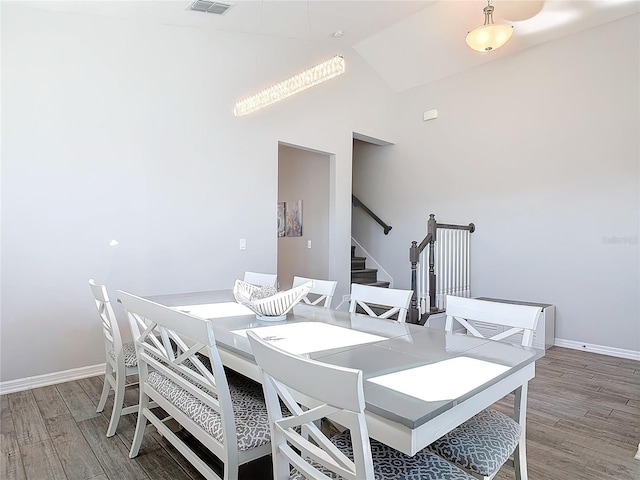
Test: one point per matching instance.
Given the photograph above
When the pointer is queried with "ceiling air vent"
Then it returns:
(218, 8)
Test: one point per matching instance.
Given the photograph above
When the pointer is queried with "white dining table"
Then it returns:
(419, 382)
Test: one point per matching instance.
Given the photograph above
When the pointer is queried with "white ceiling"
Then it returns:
(407, 42)
(431, 43)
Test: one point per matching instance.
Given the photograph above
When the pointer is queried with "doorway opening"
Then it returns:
(304, 190)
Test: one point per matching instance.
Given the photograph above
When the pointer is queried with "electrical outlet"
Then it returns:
(308, 243)
(243, 244)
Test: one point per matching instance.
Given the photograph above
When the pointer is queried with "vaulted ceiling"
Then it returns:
(408, 43)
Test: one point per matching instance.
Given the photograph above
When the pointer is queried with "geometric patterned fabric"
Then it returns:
(250, 411)
(391, 464)
(482, 444)
(129, 350)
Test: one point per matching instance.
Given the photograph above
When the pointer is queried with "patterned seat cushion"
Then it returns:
(129, 350)
(482, 444)
(390, 464)
(250, 411)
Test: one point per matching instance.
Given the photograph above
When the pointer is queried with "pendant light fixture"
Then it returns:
(489, 36)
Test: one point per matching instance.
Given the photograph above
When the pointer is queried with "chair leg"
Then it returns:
(118, 400)
(280, 467)
(106, 388)
(231, 471)
(520, 415)
(141, 425)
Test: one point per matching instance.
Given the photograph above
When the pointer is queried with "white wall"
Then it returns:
(124, 130)
(115, 129)
(541, 151)
(304, 175)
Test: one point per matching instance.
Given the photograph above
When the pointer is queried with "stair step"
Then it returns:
(365, 275)
(358, 263)
(364, 279)
(365, 270)
(380, 284)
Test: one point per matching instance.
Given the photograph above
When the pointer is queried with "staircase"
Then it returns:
(361, 274)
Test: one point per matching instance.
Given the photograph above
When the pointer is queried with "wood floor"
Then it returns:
(583, 424)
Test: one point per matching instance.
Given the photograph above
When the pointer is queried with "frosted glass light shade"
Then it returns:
(489, 37)
(308, 78)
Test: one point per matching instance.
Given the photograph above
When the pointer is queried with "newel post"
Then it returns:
(432, 228)
(414, 255)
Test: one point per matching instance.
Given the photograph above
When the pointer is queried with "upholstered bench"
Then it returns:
(223, 410)
(390, 464)
(482, 444)
(249, 409)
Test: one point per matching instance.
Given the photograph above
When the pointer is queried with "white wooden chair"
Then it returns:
(120, 359)
(394, 300)
(297, 442)
(261, 279)
(486, 441)
(324, 289)
(225, 411)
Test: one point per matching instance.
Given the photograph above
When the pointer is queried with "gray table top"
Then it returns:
(402, 347)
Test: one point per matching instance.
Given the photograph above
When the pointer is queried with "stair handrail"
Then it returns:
(414, 257)
(357, 203)
(389, 278)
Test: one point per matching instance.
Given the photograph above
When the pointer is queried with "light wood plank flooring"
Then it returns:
(583, 424)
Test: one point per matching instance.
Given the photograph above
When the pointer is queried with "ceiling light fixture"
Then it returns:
(489, 36)
(303, 80)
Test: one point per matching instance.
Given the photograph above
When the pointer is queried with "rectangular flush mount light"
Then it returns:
(303, 80)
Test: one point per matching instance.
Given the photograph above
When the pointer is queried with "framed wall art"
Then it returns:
(281, 219)
(293, 215)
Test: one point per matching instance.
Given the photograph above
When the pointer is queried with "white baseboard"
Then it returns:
(27, 383)
(601, 349)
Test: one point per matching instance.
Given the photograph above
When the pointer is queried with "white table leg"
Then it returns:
(520, 416)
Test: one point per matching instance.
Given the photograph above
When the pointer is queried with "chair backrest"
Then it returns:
(520, 319)
(391, 299)
(261, 279)
(110, 329)
(324, 289)
(167, 342)
(296, 440)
